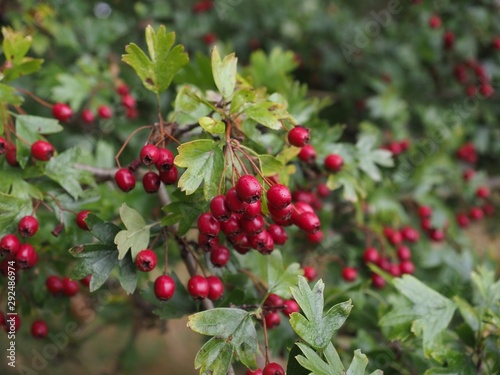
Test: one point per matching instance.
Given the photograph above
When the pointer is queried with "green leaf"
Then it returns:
(293, 367)
(15, 45)
(127, 274)
(184, 210)
(103, 231)
(279, 279)
(270, 165)
(358, 364)
(8, 95)
(157, 70)
(95, 261)
(212, 126)
(313, 362)
(189, 105)
(470, 315)
(224, 72)
(314, 327)
(353, 191)
(204, 161)
(72, 89)
(430, 315)
(12, 209)
(136, 237)
(234, 330)
(267, 114)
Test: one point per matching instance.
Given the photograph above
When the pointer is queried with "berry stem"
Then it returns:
(165, 270)
(127, 141)
(35, 97)
(266, 341)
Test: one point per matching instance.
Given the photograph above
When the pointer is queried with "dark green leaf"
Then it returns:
(103, 231)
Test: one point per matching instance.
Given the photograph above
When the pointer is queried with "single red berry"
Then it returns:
(410, 234)
(488, 209)
(486, 90)
(218, 208)
(54, 285)
(207, 243)
(424, 211)
(253, 209)
(169, 177)
(316, 237)
(482, 192)
(310, 273)
(323, 191)
(248, 189)
(62, 112)
(273, 368)
(11, 155)
(273, 300)
(404, 253)
(496, 43)
(86, 280)
(460, 72)
(278, 234)
(233, 203)
(298, 209)
(468, 174)
(240, 243)
(371, 255)
(425, 224)
(87, 116)
(272, 319)
(209, 38)
(436, 235)
(395, 148)
(475, 213)
(349, 274)
(42, 150)
(260, 241)
(448, 40)
(282, 213)
(122, 89)
(198, 287)
(463, 220)
(3, 146)
(377, 281)
(202, 6)
(165, 160)
(334, 162)
(299, 136)
(252, 226)
(256, 372)
(103, 111)
(151, 182)
(149, 154)
(407, 267)
(216, 288)
(27, 226)
(9, 245)
(208, 225)
(39, 329)
(308, 222)
(290, 307)
(80, 219)
(128, 101)
(125, 179)
(435, 22)
(70, 287)
(164, 287)
(395, 238)
(307, 154)
(131, 113)
(279, 196)
(146, 260)
(394, 270)
(231, 226)
(219, 256)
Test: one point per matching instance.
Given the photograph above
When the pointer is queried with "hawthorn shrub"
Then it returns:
(322, 234)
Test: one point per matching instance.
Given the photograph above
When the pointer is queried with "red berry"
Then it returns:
(410, 234)
(404, 253)
(103, 111)
(279, 196)
(233, 203)
(273, 300)
(310, 273)
(164, 287)
(475, 213)
(290, 307)
(11, 155)
(207, 243)
(468, 174)
(273, 369)
(308, 222)
(240, 243)
(231, 226)
(299, 136)
(489, 209)
(407, 267)
(316, 237)
(86, 280)
(273, 319)
(9, 245)
(424, 211)
(80, 219)
(377, 281)
(394, 270)
(448, 40)
(425, 224)
(349, 274)
(208, 225)
(54, 284)
(252, 226)
(219, 256)
(435, 22)
(248, 189)
(395, 148)
(218, 208)
(216, 288)
(371, 255)
(462, 220)
(307, 154)
(42, 150)
(122, 89)
(61, 111)
(323, 191)
(334, 162)
(282, 213)
(131, 113)
(151, 182)
(3, 146)
(278, 234)
(27, 226)
(128, 101)
(261, 242)
(149, 154)
(395, 238)
(436, 235)
(146, 260)
(486, 90)
(165, 160)
(253, 209)
(39, 329)
(209, 38)
(26, 256)
(169, 177)
(482, 192)
(87, 116)
(198, 287)
(125, 179)
(70, 287)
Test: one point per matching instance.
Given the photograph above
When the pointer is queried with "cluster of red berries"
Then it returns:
(397, 147)
(435, 234)
(161, 158)
(40, 150)
(273, 304)
(481, 83)
(23, 254)
(127, 101)
(58, 286)
(198, 287)
(476, 213)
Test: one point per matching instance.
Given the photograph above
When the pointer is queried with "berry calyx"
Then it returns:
(299, 136)
(125, 179)
(27, 226)
(69, 287)
(39, 329)
(215, 288)
(149, 154)
(151, 182)
(54, 285)
(273, 368)
(62, 112)
(279, 196)
(80, 219)
(104, 112)
(349, 274)
(42, 150)
(146, 260)
(219, 256)
(334, 162)
(198, 287)
(164, 287)
(9, 245)
(248, 189)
